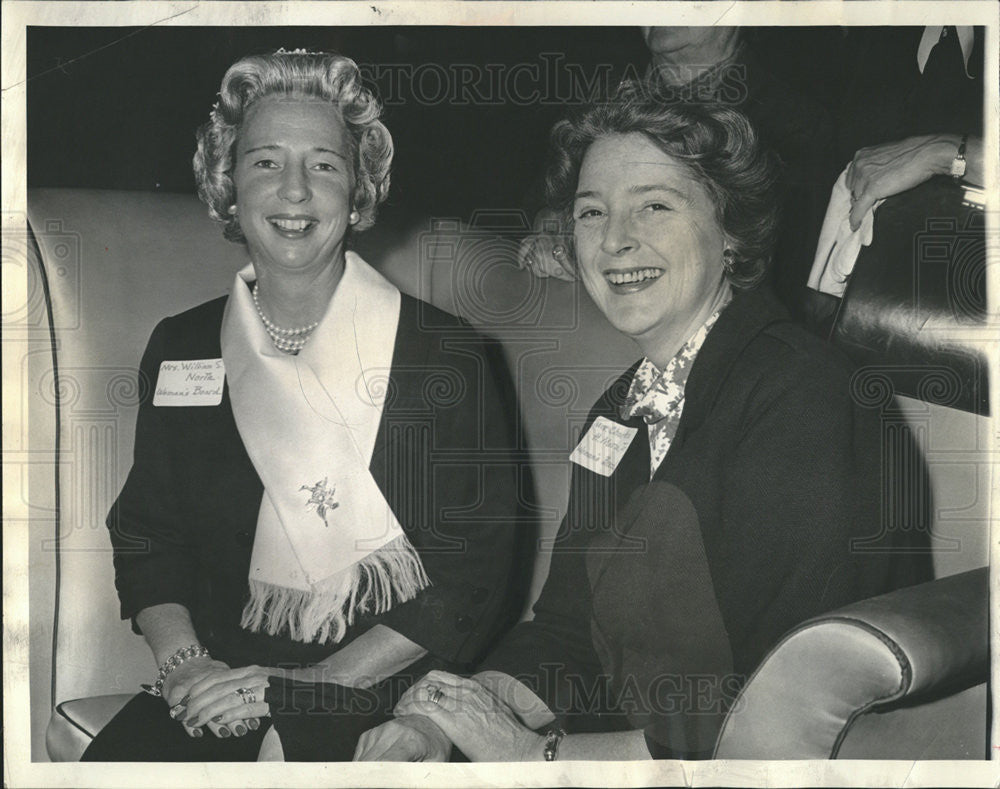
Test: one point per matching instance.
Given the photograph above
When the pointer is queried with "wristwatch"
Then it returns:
(552, 739)
(958, 164)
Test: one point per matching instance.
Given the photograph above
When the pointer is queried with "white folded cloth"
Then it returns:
(839, 246)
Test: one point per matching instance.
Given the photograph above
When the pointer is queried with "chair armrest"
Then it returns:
(803, 698)
(74, 724)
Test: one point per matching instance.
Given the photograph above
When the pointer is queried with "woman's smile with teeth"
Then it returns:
(291, 224)
(632, 276)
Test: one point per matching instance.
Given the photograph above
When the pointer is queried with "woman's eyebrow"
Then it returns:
(260, 148)
(272, 147)
(641, 189)
(331, 151)
(644, 188)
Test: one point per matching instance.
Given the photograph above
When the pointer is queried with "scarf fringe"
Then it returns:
(393, 573)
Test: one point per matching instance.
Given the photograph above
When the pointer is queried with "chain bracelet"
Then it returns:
(180, 656)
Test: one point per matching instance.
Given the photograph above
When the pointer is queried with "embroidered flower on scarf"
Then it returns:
(322, 497)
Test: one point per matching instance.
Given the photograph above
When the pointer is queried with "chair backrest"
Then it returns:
(914, 320)
(115, 263)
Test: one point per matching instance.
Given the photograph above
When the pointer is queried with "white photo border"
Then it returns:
(20, 771)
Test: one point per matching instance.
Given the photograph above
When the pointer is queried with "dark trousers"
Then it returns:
(144, 732)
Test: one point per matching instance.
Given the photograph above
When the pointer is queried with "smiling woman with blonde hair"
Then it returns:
(282, 524)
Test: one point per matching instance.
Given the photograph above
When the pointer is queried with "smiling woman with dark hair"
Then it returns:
(717, 150)
(273, 529)
(720, 481)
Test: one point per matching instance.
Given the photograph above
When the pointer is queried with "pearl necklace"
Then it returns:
(285, 340)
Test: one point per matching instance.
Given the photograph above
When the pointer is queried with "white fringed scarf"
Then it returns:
(327, 544)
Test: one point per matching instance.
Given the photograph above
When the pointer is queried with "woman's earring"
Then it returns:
(354, 218)
(232, 210)
(728, 262)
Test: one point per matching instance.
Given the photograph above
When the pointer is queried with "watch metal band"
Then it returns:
(958, 164)
(552, 740)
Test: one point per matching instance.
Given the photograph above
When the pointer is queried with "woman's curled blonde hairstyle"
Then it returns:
(310, 75)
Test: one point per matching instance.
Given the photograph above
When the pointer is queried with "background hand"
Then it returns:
(546, 255)
(481, 725)
(413, 738)
(886, 170)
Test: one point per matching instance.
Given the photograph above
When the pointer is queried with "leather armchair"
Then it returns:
(900, 676)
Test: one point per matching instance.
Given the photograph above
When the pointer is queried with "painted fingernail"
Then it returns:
(217, 718)
(240, 729)
(224, 732)
(197, 733)
(253, 723)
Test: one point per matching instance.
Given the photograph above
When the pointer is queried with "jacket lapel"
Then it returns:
(405, 354)
(745, 317)
(627, 479)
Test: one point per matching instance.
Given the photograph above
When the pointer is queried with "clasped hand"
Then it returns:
(203, 693)
(462, 712)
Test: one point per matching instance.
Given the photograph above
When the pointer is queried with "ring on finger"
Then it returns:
(558, 251)
(434, 693)
(247, 695)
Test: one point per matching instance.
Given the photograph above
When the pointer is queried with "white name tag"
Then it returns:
(605, 444)
(189, 383)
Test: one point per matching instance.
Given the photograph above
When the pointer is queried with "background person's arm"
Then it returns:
(885, 170)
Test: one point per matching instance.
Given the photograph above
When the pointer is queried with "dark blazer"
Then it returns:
(663, 596)
(184, 524)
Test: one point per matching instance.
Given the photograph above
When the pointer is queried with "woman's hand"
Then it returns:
(545, 255)
(546, 252)
(413, 738)
(477, 722)
(886, 170)
(178, 683)
(213, 700)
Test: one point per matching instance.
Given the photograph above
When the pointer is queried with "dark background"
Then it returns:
(117, 108)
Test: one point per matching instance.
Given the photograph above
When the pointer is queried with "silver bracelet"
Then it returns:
(172, 662)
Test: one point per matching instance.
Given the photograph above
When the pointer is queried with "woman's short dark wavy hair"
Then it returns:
(310, 75)
(717, 143)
